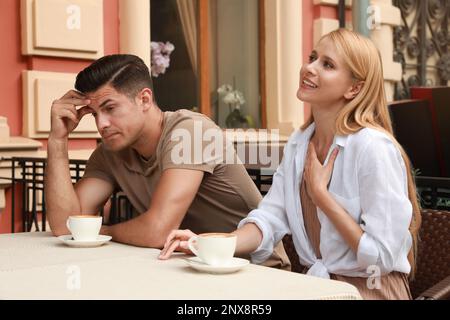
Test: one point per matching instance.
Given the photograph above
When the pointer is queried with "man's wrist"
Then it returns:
(57, 140)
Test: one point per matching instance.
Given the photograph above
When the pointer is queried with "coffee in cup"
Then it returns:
(216, 249)
(84, 227)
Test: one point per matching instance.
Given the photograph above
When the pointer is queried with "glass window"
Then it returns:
(235, 60)
(177, 87)
(233, 28)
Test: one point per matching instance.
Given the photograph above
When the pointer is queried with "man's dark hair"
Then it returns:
(126, 73)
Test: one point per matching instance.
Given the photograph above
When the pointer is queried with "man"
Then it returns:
(140, 156)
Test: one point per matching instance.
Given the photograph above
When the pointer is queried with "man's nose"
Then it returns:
(102, 122)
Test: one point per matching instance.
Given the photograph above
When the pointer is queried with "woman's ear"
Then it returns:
(354, 90)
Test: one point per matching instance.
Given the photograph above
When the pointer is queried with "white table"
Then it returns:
(39, 266)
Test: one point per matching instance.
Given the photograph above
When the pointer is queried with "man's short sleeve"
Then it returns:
(97, 167)
(195, 144)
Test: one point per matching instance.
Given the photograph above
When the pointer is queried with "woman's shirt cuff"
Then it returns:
(265, 249)
(367, 254)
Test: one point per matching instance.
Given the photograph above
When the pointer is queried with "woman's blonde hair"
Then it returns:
(369, 108)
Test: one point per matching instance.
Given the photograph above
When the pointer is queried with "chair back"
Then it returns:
(433, 261)
(433, 258)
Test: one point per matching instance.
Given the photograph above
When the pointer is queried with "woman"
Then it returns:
(344, 189)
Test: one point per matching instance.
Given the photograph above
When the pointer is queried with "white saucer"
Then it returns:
(235, 265)
(68, 240)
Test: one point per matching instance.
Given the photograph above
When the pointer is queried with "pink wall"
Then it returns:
(12, 63)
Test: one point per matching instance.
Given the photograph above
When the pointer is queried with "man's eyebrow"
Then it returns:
(104, 103)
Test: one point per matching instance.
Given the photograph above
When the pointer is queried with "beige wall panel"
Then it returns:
(40, 89)
(67, 25)
(62, 28)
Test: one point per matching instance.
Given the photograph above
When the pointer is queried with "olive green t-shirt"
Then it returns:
(226, 195)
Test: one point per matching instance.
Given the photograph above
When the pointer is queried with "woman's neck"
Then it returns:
(325, 123)
(325, 129)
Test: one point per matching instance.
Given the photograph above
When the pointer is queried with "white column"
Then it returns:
(283, 63)
(134, 16)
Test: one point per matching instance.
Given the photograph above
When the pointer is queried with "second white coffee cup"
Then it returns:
(84, 227)
(216, 249)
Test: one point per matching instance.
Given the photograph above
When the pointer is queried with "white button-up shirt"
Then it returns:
(369, 181)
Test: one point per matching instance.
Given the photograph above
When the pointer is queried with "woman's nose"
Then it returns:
(310, 68)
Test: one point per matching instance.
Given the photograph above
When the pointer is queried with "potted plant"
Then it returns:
(234, 99)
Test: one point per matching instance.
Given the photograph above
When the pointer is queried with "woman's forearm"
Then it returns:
(341, 219)
(249, 237)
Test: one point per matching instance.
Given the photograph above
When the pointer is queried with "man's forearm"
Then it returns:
(60, 197)
(139, 232)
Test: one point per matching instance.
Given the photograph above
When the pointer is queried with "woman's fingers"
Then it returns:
(167, 251)
(313, 151)
(174, 234)
(177, 239)
(333, 157)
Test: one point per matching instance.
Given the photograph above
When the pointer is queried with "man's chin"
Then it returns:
(112, 147)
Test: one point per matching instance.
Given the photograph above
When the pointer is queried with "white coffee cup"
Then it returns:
(216, 249)
(84, 227)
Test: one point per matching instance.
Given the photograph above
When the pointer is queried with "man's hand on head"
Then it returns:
(65, 116)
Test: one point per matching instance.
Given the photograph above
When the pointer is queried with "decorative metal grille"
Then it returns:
(422, 44)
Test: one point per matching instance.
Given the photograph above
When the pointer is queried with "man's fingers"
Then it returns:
(68, 114)
(73, 94)
(66, 107)
(80, 113)
(73, 101)
(84, 111)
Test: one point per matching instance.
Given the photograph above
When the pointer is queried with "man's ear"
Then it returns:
(354, 90)
(146, 98)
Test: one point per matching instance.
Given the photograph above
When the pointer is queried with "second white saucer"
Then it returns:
(68, 240)
(235, 265)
